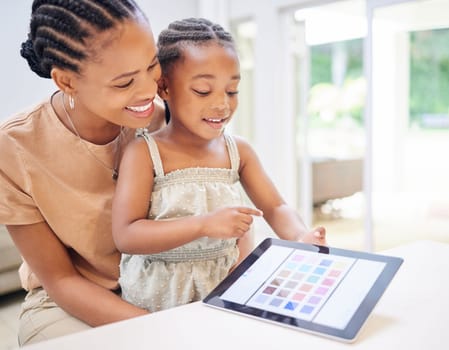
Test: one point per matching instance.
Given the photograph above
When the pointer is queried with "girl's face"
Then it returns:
(119, 83)
(202, 88)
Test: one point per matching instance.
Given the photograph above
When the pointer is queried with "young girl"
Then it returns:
(178, 213)
(58, 160)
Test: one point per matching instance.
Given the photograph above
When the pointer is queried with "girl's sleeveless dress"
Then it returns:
(189, 272)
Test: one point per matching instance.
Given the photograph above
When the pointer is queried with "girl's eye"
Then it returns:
(201, 93)
(124, 86)
(232, 93)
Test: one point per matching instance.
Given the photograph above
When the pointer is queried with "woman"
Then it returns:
(60, 159)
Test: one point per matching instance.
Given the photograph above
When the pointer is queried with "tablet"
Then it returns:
(322, 290)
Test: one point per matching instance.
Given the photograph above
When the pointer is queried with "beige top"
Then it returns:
(47, 174)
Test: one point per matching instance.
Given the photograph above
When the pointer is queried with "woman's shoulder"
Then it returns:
(24, 122)
(24, 128)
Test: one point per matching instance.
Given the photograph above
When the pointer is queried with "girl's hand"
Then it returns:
(317, 236)
(229, 222)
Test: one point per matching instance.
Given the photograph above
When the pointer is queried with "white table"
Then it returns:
(412, 314)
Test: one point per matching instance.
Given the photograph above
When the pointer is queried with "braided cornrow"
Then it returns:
(190, 31)
(60, 29)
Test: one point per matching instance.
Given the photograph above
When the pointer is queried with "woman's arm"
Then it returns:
(283, 219)
(133, 233)
(49, 260)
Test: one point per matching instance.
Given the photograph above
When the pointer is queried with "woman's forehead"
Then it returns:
(126, 46)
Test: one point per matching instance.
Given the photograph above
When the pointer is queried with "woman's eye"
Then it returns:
(232, 93)
(124, 86)
(201, 93)
(153, 65)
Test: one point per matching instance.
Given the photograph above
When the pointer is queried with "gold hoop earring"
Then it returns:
(71, 102)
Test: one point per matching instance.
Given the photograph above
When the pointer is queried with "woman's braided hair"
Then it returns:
(190, 31)
(60, 30)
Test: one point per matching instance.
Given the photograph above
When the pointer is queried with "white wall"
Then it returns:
(161, 13)
(21, 87)
(274, 131)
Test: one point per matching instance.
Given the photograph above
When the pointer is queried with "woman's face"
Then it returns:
(119, 83)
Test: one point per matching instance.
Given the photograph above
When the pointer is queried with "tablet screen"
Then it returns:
(324, 290)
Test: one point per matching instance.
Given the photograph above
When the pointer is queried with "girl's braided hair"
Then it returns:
(190, 31)
(60, 30)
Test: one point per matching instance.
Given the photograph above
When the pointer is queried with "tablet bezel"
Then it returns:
(349, 333)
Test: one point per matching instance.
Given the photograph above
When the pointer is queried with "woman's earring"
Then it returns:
(71, 102)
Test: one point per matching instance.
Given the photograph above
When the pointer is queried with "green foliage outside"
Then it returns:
(429, 75)
(330, 104)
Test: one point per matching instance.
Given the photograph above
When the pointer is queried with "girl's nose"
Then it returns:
(222, 103)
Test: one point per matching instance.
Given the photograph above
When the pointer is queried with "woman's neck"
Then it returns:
(91, 129)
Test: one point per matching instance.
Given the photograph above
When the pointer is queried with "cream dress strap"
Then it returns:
(157, 161)
(154, 151)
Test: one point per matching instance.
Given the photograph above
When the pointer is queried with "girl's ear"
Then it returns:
(163, 89)
(64, 80)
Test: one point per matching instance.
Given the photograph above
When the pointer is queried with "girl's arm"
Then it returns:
(49, 260)
(133, 233)
(283, 219)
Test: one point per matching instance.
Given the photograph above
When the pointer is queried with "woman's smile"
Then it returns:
(141, 111)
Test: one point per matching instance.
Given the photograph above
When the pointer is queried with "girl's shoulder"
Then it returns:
(137, 149)
(239, 140)
(243, 145)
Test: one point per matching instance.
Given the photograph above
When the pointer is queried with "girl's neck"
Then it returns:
(184, 139)
(180, 149)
